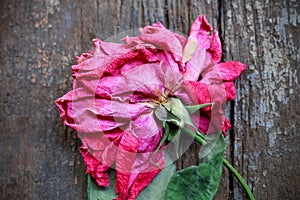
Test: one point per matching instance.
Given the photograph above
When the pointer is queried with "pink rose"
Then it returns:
(117, 88)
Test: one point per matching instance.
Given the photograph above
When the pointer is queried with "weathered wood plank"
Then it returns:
(40, 159)
(265, 35)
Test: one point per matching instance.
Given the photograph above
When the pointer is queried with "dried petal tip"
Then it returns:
(84, 56)
(201, 24)
(97, 44)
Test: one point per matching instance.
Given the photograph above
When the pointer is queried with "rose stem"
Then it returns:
(225, 162)
(239, 177)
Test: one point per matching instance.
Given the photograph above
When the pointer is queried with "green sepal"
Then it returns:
(175, 112)
(194, 108)
(202, 181)
(176, 108)
(173, 130)
(171, 133)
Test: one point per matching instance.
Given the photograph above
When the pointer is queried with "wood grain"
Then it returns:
(265, 35)
(39, 40)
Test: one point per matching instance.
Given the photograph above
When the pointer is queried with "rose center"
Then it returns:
(162, 97)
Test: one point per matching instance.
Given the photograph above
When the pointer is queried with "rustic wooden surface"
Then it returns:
(39, 39)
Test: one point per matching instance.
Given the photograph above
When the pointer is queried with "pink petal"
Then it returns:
(215, 48)
(230, 90)
(84, 56)
(64, 105)
(163, 39)
(183, 96)
(120, 111)
(143, 170)
(119, 61)
(158, 37)
(141, 182)
(212, 120)
(217, 117)
(134, 169)
(200, 24)
(144, 83)
(87, 114)
(172, 71)
(108, 155)
(230, 70)
(77, 107)
(125, 158)
(216, 93)
(227, 71)
(130, 60)
(226, 126)
(219, 120)
(198, 92)
(145, 127)
(95, 168)
(146, 78)
(207, 51)
(104, 53)
(202, 122)
(110, 49)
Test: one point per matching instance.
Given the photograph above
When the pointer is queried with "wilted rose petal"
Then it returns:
(208, 50)
(95, 168)
(227, 71)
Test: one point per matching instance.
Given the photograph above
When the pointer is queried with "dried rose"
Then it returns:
(118, 87)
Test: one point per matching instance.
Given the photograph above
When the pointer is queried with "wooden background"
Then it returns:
(39, 39)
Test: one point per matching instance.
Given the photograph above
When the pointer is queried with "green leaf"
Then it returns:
(202, 181)
(154, 191)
